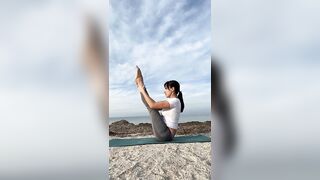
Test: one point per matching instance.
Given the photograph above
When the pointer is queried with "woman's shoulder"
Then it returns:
(173, 100)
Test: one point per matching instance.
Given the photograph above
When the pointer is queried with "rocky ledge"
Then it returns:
(123, 128)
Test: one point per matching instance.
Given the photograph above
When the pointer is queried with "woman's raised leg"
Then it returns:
(160, 129)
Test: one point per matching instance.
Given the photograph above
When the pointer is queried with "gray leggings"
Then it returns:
(160, 129)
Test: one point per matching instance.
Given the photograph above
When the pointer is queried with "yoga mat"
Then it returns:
(153, 140)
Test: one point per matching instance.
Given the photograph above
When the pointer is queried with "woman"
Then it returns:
(164, 125)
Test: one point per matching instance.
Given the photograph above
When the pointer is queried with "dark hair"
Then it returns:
(176, 85)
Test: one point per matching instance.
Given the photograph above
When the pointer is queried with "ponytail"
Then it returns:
(181, 100)
(176, 85)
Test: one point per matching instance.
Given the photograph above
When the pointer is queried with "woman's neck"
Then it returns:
(173, 96)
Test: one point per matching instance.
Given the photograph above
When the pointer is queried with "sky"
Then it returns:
(269, 51)
(45, 99)
(167, 40)
(270, 60)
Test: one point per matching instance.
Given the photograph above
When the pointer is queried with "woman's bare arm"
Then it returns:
(152, 103)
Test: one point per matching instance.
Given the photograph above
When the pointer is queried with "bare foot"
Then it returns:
(139, 78)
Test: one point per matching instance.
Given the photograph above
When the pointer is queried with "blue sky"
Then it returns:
(168, 40)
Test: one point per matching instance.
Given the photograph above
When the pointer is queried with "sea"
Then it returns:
(146, 119)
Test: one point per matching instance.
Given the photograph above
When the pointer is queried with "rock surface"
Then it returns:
(123, 128)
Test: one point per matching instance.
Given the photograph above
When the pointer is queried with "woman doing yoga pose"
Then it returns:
(164, 123)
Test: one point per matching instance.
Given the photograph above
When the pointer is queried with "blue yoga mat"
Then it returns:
(142, 141)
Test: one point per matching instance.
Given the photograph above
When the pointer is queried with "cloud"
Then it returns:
(168, 40)
(250, 33)
(271, 69)
(44, 94)
(42, 45)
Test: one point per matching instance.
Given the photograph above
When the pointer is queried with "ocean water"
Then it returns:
(146, 119)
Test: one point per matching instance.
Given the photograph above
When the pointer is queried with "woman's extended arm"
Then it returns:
(153, 104)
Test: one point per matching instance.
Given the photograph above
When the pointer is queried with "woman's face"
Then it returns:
(168, 91)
